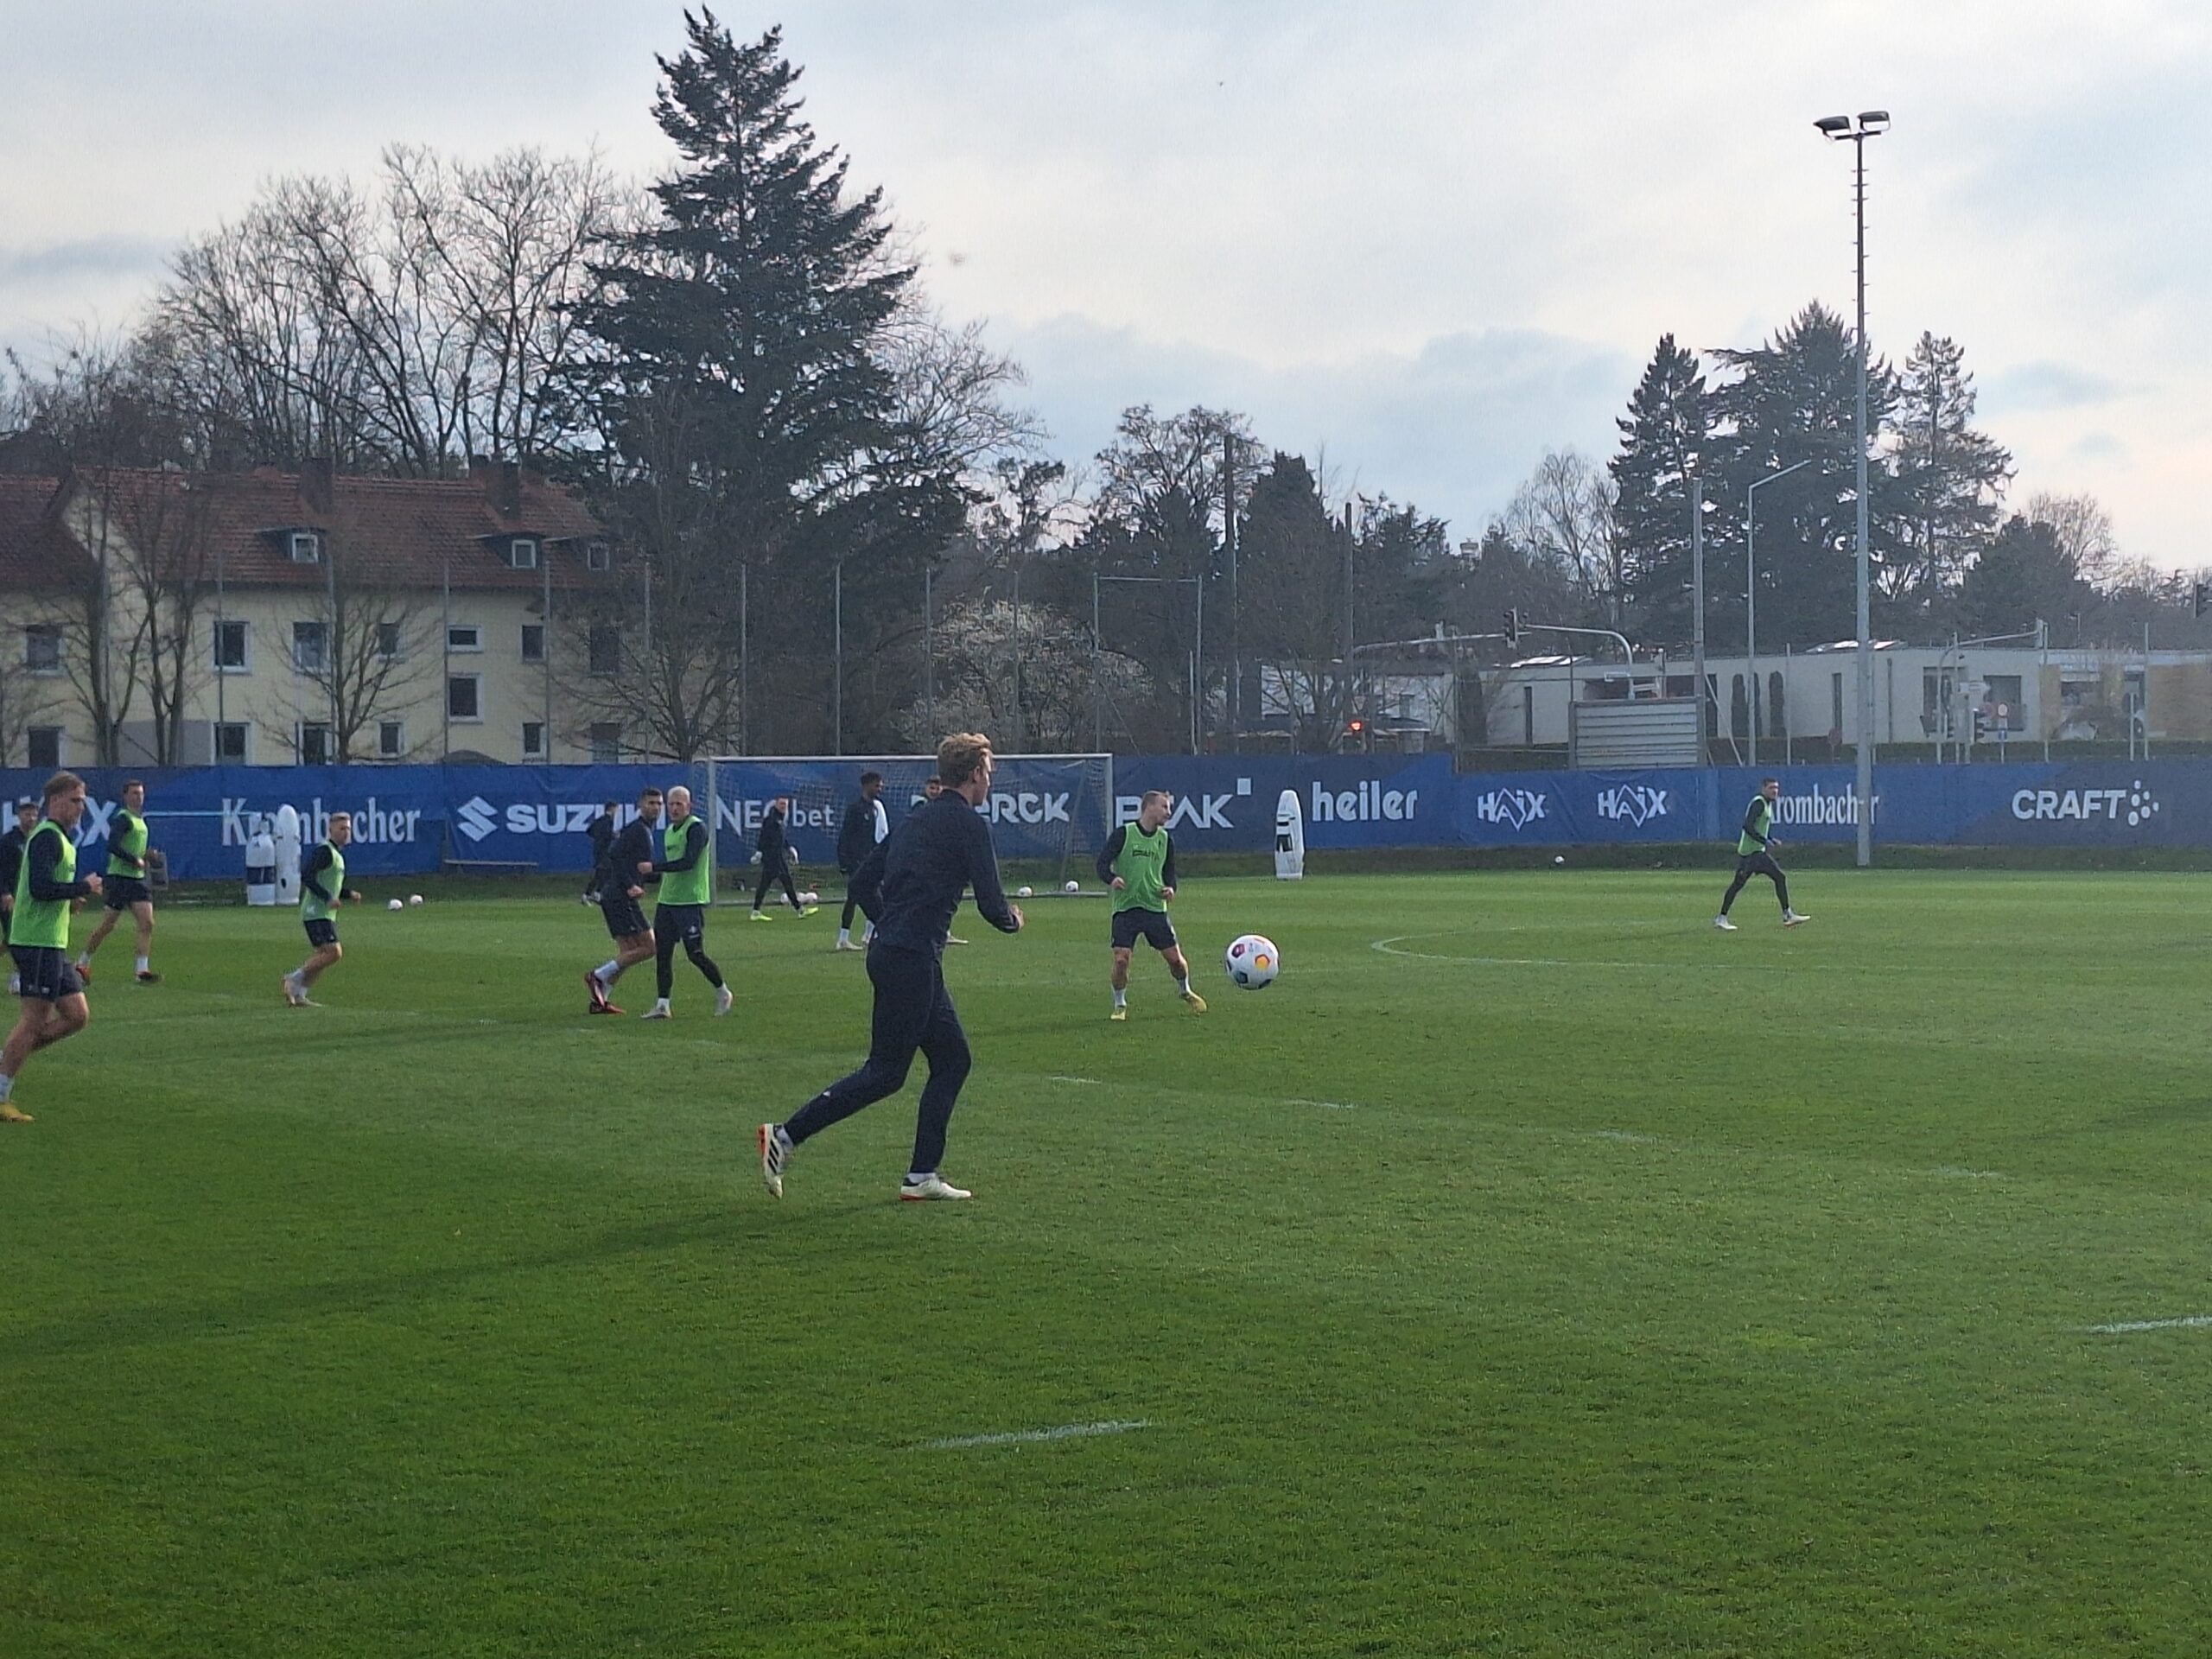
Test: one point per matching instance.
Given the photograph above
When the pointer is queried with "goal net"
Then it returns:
(1051, 812)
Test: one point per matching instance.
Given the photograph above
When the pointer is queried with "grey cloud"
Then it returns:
(2097, 446)
(2049, 384)
(99, 258)
(1453, 429)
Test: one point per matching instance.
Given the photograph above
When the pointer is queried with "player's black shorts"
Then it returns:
(322, 931)
(685, 922)
(1150, 926)
(121, 891)
(1759, 864)
(625, 917)
(47, 973)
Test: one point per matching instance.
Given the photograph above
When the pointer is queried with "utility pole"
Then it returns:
(1236, 700)
(1697, 620)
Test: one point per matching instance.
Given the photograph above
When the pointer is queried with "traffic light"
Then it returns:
(2200, 597)
(1513, 626)
(1980, 724)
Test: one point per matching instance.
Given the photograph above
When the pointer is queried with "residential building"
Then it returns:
(272, 618)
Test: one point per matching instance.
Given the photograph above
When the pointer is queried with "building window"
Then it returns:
(391, 739)
(312, 744)
(231, 640)
(462, 699)
(468, 638)
(599, 555)
(522, 553)
(230, 744)
(533, 642)
(388, 642)
(306, 547)
(310, 647)
(606, 649)
(45, 748)
(42, 648)
(606, 743)
(1778, 706)
(533, 739)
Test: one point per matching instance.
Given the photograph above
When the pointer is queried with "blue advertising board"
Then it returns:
(409, 819)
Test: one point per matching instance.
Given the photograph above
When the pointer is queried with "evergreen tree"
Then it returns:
(1665, 439)
(1952, 475)
(2026, 573)
(731, 373)
(1795, 398)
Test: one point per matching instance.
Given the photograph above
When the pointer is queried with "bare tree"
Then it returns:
(2083, 532)
(161, 574)
(1565, 511)
(368, 651)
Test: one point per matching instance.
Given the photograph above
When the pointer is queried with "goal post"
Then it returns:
(1054, 811)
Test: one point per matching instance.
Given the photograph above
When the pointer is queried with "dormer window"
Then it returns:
(522, 553)
(305, 546)
(599, 555)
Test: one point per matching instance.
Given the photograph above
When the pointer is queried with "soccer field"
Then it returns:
(1531, 1271)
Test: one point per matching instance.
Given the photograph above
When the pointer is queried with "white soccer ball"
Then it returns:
(1024, 892)
(1072, 886)
(395, 905)
(1252, 962)
(809, 896)
(414, 897)
(1559, 858)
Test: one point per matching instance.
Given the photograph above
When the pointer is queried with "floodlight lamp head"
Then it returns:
(1835, 125)
(1874, 121)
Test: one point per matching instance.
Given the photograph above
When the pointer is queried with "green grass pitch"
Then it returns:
(1531, 1271)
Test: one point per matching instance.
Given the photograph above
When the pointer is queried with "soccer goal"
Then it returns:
(1053, 811)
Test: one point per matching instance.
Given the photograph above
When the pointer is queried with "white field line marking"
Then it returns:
(1959, 1172)
(1032, 1436)
(1327, 1105)
(1085, 1083)
(2192, 1322)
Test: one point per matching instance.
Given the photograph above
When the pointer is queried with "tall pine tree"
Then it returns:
(1665, 439)
(1953, 478)
(1795, 399)
(732, 375)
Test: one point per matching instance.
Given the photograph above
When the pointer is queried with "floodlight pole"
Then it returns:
(1697, 618)
(1751, 596)
(1869, 124)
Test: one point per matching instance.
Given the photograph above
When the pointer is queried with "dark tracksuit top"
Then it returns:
(770, 842)
(11, 865)
(601, 832)
(916, 876)
(856, 835)
(632, 845)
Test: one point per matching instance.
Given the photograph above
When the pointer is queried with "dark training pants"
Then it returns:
(781, 872)
(913, 1011)
(852, 904)
(686, 923)
(1758, 863)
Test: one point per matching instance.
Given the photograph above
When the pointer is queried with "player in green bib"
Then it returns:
(126, 888)
(1137, 863)
(1754, 858)
(47, 887)
(323, 889)
(685, 873)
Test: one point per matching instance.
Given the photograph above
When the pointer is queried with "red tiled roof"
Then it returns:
(36, 551)
(415, 532)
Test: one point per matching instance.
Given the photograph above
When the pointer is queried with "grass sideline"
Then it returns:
(1532, 1271)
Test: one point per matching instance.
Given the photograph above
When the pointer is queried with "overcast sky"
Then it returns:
(1426, 241)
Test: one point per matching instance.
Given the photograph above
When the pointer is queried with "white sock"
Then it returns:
(6, 1085)
(660, 1002)
(1121, 996)
(1183, 984)
(844, 936)
(141, 965)
(916, 1179)
(607, 971)
(84, 961)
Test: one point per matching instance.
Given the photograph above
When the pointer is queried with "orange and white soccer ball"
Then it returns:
(1252, 962)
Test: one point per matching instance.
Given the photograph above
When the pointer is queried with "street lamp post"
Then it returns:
(1751, 596)
(1856, 131)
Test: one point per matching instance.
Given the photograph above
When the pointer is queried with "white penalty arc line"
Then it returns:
(1082, 1082)
(2191, 1322)
(1033, 1436)
(1392, 948)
